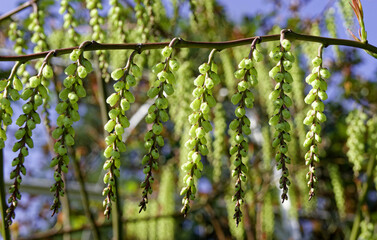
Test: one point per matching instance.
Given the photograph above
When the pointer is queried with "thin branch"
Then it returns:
(191, 44)
(362, 198)
(84, 196)
(3, 203)
(18, 9)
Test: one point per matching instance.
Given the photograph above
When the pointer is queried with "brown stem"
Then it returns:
(18, 9)
(84, 197)
(3, 204)
(363, 197)
(290, 35)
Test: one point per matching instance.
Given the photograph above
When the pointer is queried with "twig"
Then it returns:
(290, 35)
(84, 196)
(3, 204)
(363, 197)
(18, 9)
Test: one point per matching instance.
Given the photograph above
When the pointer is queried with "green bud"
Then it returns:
(17, 84)
(87, 64)
(47, 72)
(325, 73)
(289, 56)
(131, 80)
(82, 72)
(279, 77)
(162, 103)
(249, 102)
(27, 107)
(204, 68)
(174, 65)
(274, 120)
(71, 69)
(240, 111)
(124, 104)
(34, 81)
(200, 132)
(199, 81)
(166, 51)
(310, 78)
(69, 140)
(157, 128)
(316, 61)
(195, 105)
(287, 101)
(117, 73)
(274, 95)
(163, 116)
(257, 56)
(239, 74)
(119, 130)
(113, 99)
(136, 71)
(286, 114)
(158, 68)
(286, 44)
(322, 95)
(321, 116)
(168, 89)
(118, 86)
(153, 92)
(109, 126)
(236, 98)
(160, 141)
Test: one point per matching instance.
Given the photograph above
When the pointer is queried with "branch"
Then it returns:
(18, 9)
(191, 44)
(3, 204)
(363, 196)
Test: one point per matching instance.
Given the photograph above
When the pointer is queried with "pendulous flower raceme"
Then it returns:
(34, 93)
(68, 114)
(200, 126)
(94, 6)
(9, 89)
(117, 19)
(243, 99)
(356, 130)
(315, 116)
(69, 21)
(120, 101)
(282, 102)
(157, 113)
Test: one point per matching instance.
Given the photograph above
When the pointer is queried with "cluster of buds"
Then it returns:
(67, 109)
(69, 21)
(200, 126)
(34, 93)
(315, 116)
(157, 113)
(282, 102)
(120, 101)
(356, 129)
(243, 99)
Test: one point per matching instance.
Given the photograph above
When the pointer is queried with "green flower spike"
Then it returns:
(243, 99)
(67, 109)
(200, 126)
(120, 101)
(34, 93)
(315, 116)
(282, 102)
(157, 113)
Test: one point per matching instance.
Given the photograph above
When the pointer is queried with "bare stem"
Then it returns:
(3, 203)
(288, 34)
(18, 9)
